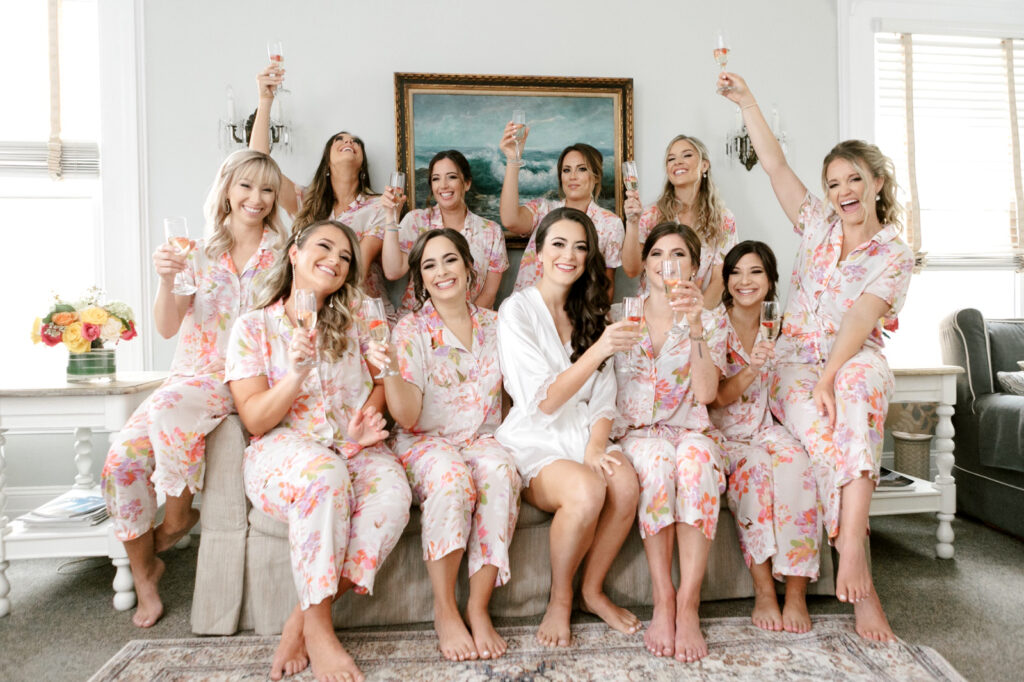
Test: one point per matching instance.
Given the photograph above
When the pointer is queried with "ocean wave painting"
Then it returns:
(474, 123)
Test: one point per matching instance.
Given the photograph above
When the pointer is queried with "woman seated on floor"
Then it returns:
(665, 384)
(771, 493)
(446, 401)
(554, 348)
(316, 460)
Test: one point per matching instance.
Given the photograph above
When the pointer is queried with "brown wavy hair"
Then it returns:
(709, 206)
(869, 161)
(594, 161)
(318, 199)
(416, 257)
(587, 303)
(335, 317)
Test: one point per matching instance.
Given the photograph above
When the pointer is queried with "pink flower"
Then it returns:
(90, 332)
(51, 335)
(892, 325)
(129, 333)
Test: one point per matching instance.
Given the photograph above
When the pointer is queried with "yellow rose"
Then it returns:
(74, 340)
(36, 326)
(95, 315)
(64, 319)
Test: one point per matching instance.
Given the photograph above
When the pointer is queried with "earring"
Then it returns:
(227, 206)
(705, 175)
(328, 173)
(878, 197)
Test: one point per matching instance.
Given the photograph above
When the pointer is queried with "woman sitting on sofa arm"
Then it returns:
(316, 461)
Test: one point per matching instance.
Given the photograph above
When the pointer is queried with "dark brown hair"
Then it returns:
(318, 200)
(416, 257)
(762, 251)
(685, 231)
(593, 159)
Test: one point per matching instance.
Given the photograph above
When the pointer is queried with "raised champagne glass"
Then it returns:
(176, 232)
(305, 318)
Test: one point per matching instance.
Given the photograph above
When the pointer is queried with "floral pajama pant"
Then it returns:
(162, 448)
(773, 496)
(681, 478)
(469, 498)
(344, 516)
(853, 447)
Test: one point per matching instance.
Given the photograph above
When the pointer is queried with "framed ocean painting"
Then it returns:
(434, 112)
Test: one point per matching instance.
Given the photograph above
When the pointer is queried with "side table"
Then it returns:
(933, 384)
(51, 403)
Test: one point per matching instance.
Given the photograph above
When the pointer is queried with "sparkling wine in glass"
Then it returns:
(176, 232)
(397, 183)
(519, 119)
(275, 50)
(377, 326)
(721, 51)
(630, 178)
(672, 276)
(771, 320)
(633, 311)
(305, 317)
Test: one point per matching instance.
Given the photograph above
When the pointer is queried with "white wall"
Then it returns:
(341, 57)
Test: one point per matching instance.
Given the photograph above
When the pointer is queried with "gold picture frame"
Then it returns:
(468, 112)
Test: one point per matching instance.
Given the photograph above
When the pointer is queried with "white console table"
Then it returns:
(933, 384)
(54, 404)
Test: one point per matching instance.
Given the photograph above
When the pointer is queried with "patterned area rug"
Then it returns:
(739, 651)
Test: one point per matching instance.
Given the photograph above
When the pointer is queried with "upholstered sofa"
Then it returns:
(244, 581)
(989, 422)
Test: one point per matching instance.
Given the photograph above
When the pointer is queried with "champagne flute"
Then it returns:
(633, 311)
(771, 320)
(630, 178)
(672, 276)
(397, 183)
(721, 51)
(377, 326)
(275, 50)
(176, 232)
(519, 119)
(305, 317)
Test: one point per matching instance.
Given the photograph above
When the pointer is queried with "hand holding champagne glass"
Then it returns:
(771, 320)
(721, 51)
(176, 232)
(672, 277)
(305, 318)
(377, 326)
(519, 119)
(396, 183)
(275, 50)
(630, 177)
(632, 311)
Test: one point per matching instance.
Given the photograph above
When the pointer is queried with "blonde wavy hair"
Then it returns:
(337, 314)
(260, 169)
(709, 209)
(869, 161)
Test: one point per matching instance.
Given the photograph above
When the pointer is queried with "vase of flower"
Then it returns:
(99, 364)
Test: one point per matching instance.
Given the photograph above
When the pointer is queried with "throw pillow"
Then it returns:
(1012, 382)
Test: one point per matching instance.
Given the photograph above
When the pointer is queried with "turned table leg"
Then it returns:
(944, 481)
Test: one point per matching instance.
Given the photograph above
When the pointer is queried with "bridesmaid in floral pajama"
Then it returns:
(450, 179)
(163, 444)
(664, 430)
(340, 189)
(316, 460)
(446, 400)
(579, 171)
(833, 385)
(772, 492)
(690, 197)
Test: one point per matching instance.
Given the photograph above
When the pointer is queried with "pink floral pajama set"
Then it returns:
(463, 479)
(772, 492)
(822, 291)
(667, 434)
(162, 446)
(345, 505)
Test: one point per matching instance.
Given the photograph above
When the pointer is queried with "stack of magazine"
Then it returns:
(889, 480)
(73, 510)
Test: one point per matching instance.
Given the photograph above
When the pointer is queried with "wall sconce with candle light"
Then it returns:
(738, 146)
(234, 133)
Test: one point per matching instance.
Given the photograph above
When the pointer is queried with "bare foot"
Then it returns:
(331, 663)
(290, 657)
(690, 643)
(454, 640)
(617, 617)
(853, 578)
(150, 608)
(489, 644)
(871, 621)
(554, 628)
(167, 534)
(766, 614)
(661, 633)
(795, 617)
